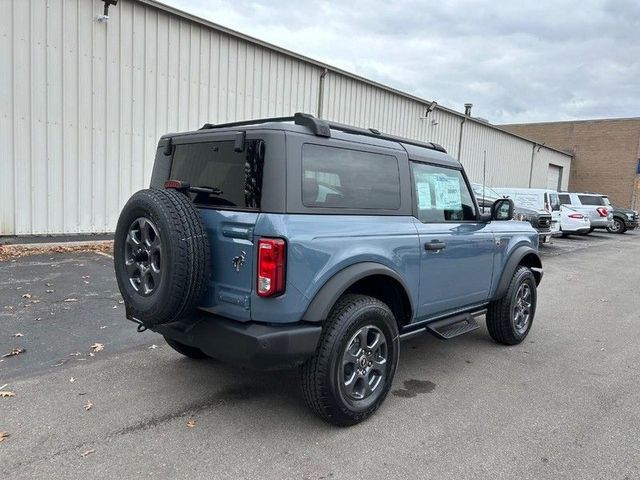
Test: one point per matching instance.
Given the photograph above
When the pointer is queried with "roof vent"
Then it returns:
(467, 109)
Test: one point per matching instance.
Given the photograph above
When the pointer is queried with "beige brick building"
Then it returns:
(606, 154)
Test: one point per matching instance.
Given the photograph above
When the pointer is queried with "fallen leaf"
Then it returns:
(49, 284)
(9, 307)
(49, 291)
(6, 394)
(92, 354)
(88, 452)
(38, 319)
(115, 306)
(14, 352)
(71, 380)
(4, 436)
(103, 327)
(191, 423)
(96, 347)
(88, 405)
(86, 276)
(26, 295)
(18, 288)
(35, 301)
(153, 347)
(18, 335)
(86, 282)
(120, 302)
(70, 299)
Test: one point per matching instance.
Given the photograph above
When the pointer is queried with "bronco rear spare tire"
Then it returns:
(161, 256)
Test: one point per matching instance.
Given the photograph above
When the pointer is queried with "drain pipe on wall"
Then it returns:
(533, 152)
(321, 92)
(464, 119)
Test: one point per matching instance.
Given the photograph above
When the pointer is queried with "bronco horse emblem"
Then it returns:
(239, 260)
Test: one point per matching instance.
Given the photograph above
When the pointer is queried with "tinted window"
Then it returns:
(564, 199)
(340, 178)
(441, 194)
(591, 200)
(555, 202)
(216, 165)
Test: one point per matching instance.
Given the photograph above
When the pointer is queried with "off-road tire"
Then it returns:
(500, 314)
(320, 374)
(622, 227)
(186, 350)
(185, 256)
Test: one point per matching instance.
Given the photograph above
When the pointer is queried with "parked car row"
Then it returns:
(554, 213)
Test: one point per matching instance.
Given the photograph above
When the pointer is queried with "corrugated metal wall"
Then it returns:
(83, 104)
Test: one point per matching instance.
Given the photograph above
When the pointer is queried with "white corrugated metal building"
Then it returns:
(83, 103)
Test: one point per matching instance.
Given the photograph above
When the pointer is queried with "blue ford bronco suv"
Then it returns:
(296, 241)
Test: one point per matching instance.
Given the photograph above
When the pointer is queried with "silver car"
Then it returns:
(591, 205)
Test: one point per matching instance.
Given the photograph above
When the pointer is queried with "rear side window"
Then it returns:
(441, 194)
(340, 178)
(564, 199)
(234, 177)
(591, 200)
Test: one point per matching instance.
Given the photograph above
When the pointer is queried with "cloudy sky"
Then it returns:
(547, 60)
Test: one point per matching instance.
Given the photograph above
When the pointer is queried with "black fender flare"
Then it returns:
(319, 308)
(515, 259)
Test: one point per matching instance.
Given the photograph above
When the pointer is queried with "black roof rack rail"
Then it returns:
(322, 128)
(372, 132)
(245, 123)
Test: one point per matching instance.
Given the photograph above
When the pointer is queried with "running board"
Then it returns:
(451, 327)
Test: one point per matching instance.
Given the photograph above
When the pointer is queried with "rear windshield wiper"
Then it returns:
(185, 187)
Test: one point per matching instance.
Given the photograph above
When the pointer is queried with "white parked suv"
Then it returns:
(541, 200)
(591, 205)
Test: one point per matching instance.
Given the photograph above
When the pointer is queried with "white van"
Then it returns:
(539, 199)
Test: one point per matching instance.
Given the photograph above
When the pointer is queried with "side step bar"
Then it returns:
(449, 327)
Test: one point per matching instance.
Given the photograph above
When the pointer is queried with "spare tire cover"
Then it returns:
(161, 256)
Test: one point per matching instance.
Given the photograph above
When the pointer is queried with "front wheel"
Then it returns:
(617, 226)
(355, 362)
(509, 318)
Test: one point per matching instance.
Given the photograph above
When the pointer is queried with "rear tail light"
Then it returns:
(576, 215)
(272, 258)
(602, 211)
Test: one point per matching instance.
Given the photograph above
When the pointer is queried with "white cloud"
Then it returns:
(543, 60)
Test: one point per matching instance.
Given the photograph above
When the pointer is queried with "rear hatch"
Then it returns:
(596, 208)
(225, 176)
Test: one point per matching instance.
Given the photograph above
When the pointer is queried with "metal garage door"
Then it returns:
(554, 177)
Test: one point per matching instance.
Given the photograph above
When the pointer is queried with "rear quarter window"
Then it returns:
(217, 165)
(342, 178)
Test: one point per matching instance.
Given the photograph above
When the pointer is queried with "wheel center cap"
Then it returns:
(362, 361)
(142, 256)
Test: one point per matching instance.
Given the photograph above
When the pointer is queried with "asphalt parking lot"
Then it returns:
(564, 404)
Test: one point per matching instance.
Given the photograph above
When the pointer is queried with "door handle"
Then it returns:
(435, 245)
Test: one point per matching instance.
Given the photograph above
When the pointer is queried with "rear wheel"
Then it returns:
(509, 318)
(617, 226)
(354, 365)
(186, 350)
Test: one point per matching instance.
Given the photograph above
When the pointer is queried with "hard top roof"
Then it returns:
(308, 124)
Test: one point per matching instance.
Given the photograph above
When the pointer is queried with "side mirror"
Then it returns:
(502, 209)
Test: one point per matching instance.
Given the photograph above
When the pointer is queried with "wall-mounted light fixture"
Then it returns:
(105, 14)
(430, 108)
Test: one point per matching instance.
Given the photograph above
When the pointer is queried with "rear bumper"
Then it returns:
(254, 345)
(601, 223)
